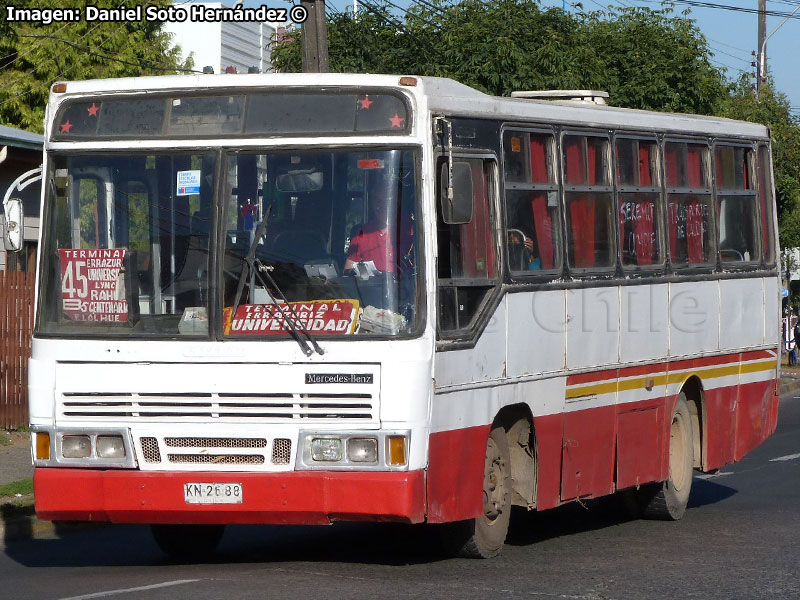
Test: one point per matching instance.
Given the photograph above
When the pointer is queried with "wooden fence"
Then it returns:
(16, 328)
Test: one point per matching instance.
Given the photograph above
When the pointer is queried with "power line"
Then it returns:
(699, 4)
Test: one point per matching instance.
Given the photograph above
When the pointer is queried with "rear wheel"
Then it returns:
(188, 541)
(668, 500)
(484, 536)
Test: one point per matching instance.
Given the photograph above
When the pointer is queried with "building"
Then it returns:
(23, 153)
(224, 44)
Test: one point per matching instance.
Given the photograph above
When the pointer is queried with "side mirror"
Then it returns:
(14, 230)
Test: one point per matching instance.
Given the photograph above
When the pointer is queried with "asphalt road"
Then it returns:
(738, 540)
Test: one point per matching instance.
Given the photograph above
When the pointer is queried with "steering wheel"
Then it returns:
(519, 231)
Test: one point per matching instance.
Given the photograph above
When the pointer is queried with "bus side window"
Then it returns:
(588, 202)
(531, 202)
(467, 266)
(766, 204)
(737, 207)
(690, 213)
(638, 201)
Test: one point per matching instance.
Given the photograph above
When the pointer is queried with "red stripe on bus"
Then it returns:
(300, 497)
(661, 368)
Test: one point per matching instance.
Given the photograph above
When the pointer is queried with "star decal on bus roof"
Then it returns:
(397, 120)
(365, 103)
(93, 110)
(66, 126)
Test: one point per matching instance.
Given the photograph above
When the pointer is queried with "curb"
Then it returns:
(18, 524)
(790, 384)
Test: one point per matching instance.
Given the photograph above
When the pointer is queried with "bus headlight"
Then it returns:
(76, 446)
(362, 450)
(110, 446)
(326, 449)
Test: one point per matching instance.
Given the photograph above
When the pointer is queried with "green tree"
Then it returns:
(33, 56)
(649, 59)
(655, 60)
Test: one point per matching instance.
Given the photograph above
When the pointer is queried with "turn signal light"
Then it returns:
(59, 88)
(42, 445)
(397, 450)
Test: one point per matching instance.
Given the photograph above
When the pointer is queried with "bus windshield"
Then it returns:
(338, 251)
(323, 242)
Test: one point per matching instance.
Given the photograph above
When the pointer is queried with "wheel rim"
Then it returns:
(679, 472)
(494, 489)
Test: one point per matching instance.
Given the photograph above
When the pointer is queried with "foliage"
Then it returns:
(33, 56)
(655, 61)
(498, 46)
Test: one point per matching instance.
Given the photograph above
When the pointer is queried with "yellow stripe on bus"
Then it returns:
(610, 387)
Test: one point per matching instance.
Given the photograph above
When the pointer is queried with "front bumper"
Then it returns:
(301, 498)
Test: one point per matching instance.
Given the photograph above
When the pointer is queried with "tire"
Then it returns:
(484, 536)
(188, 541)
(667, 500)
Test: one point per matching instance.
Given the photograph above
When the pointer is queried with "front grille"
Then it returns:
(196, 450)
(204, 442)
(150, 450)
(312, 408)
(216, 459)
(281, 451)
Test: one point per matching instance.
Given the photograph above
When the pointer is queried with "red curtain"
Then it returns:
(644, 165)
(766, 210)
(544, 229)
(474, 259)
(539, 160)
(581, 212)
(643, 228)
(695, 166)
(575, 172)
(591, 158)
(671, 159)
(694, 231)
(672, 227)
(638, 220)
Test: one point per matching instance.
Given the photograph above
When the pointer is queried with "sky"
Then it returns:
(732, 34)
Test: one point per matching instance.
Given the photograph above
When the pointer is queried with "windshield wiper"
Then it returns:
(250, 270)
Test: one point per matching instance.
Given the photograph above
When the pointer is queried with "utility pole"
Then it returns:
(761, 58)
(762, 46)
(315, 38)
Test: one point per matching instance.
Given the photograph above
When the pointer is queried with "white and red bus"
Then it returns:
(310, 298)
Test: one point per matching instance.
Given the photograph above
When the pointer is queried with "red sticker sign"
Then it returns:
(319, 317)
(93, 285)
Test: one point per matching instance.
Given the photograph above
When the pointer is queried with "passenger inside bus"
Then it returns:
(521, 251)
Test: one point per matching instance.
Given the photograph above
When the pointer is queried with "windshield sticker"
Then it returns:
(319, 317)
(188, 183)
(93, 285)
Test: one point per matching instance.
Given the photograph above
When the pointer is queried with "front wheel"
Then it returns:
(484, 536)
(667, 500)
(188, 541)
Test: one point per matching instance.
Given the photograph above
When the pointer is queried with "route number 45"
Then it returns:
(78, 276)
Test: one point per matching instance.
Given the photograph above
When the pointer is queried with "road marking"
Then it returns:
(787, 457)
(131, 590)
(712, 475)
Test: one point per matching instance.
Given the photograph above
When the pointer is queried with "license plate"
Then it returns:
(212, 493)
